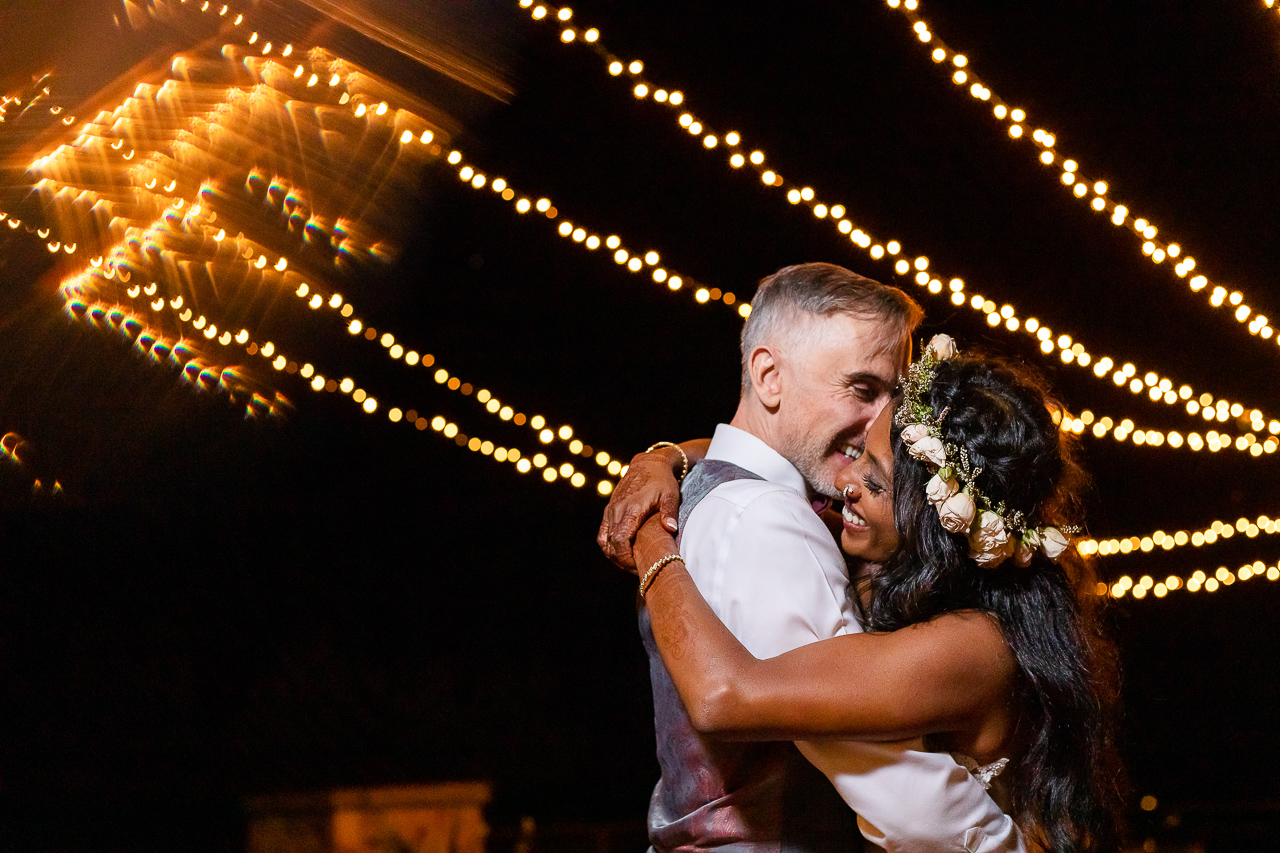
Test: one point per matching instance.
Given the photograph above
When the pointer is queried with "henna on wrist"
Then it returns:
(673, 632)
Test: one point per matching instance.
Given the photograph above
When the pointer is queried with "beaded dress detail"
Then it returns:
(984, 773)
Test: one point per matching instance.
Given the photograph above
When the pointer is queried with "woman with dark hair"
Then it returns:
(980, 634)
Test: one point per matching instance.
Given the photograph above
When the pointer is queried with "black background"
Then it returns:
(216, 607)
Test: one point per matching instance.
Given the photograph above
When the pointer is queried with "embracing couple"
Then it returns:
(943, 677)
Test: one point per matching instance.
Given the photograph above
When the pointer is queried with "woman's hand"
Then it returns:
(649, 489)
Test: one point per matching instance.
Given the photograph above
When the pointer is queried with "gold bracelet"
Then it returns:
(679, 450)
(651, 575)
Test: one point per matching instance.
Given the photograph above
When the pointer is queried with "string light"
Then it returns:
(315, 299)
(182, 354)
(522, 462)
(1218, 530)
(1199, 580)
(370, 404)
(1091, 190)
(491, 404)
(1161, 388)
(591, 240)
(1086, 423)
(1054, 345)
(119, 267)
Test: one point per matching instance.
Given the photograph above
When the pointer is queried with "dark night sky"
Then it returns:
(219, 607)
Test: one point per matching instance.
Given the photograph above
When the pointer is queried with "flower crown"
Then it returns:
(994, 533)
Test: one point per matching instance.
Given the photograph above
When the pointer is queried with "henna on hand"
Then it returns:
(648, 488)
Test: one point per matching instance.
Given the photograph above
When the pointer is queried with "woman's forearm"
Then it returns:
(940, 676)
(705, 676)
(696, 449)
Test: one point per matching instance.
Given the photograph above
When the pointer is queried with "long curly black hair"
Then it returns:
(1065, 780)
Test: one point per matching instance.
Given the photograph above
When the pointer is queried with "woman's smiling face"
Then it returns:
(867, 485)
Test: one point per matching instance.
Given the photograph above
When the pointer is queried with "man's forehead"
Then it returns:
(864, 344)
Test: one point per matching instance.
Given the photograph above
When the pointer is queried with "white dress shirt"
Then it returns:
(772, 572)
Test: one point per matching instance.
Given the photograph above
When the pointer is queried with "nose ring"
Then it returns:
(845, 492)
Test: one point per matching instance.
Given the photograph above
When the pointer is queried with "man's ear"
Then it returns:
(764, 367)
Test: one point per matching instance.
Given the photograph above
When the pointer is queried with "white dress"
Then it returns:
(975, 839)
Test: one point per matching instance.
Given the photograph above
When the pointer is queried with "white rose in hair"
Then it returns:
(1026, 548)
(1053, 542)
(956, 512)
(939, 489)
(991, 559)
(989, 543)
(1023, 554)
(943, 346)
(914, 433)
(990, 530)
(929, 449)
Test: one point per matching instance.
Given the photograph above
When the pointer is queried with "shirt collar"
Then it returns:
(730, 444)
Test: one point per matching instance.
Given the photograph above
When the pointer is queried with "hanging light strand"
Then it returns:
(193, 366)
(315, 299)
(1197, 581)
(1070, 351)
(1215, 532)
(198, 219)
(636, 262)
(319, 383)
(1093, 192)
(1125, 431)
(396, 351)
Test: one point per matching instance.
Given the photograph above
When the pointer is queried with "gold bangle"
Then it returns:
(651, 575)
(679, 450)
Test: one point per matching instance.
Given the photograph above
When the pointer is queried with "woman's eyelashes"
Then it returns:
(872, 485)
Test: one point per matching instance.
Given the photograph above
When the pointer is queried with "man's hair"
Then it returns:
(823, 290)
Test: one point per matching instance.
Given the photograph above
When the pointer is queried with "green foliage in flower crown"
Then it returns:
(913, 410)
(917, 381)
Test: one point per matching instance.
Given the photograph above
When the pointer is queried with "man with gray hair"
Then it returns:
(821, 353)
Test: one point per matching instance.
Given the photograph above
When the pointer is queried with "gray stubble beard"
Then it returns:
(809, 462)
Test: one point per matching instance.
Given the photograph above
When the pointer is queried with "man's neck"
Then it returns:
(752, 418)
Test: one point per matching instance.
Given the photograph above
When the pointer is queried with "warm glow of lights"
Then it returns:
(1076, 355)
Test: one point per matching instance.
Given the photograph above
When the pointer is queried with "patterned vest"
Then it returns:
(726, 796)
